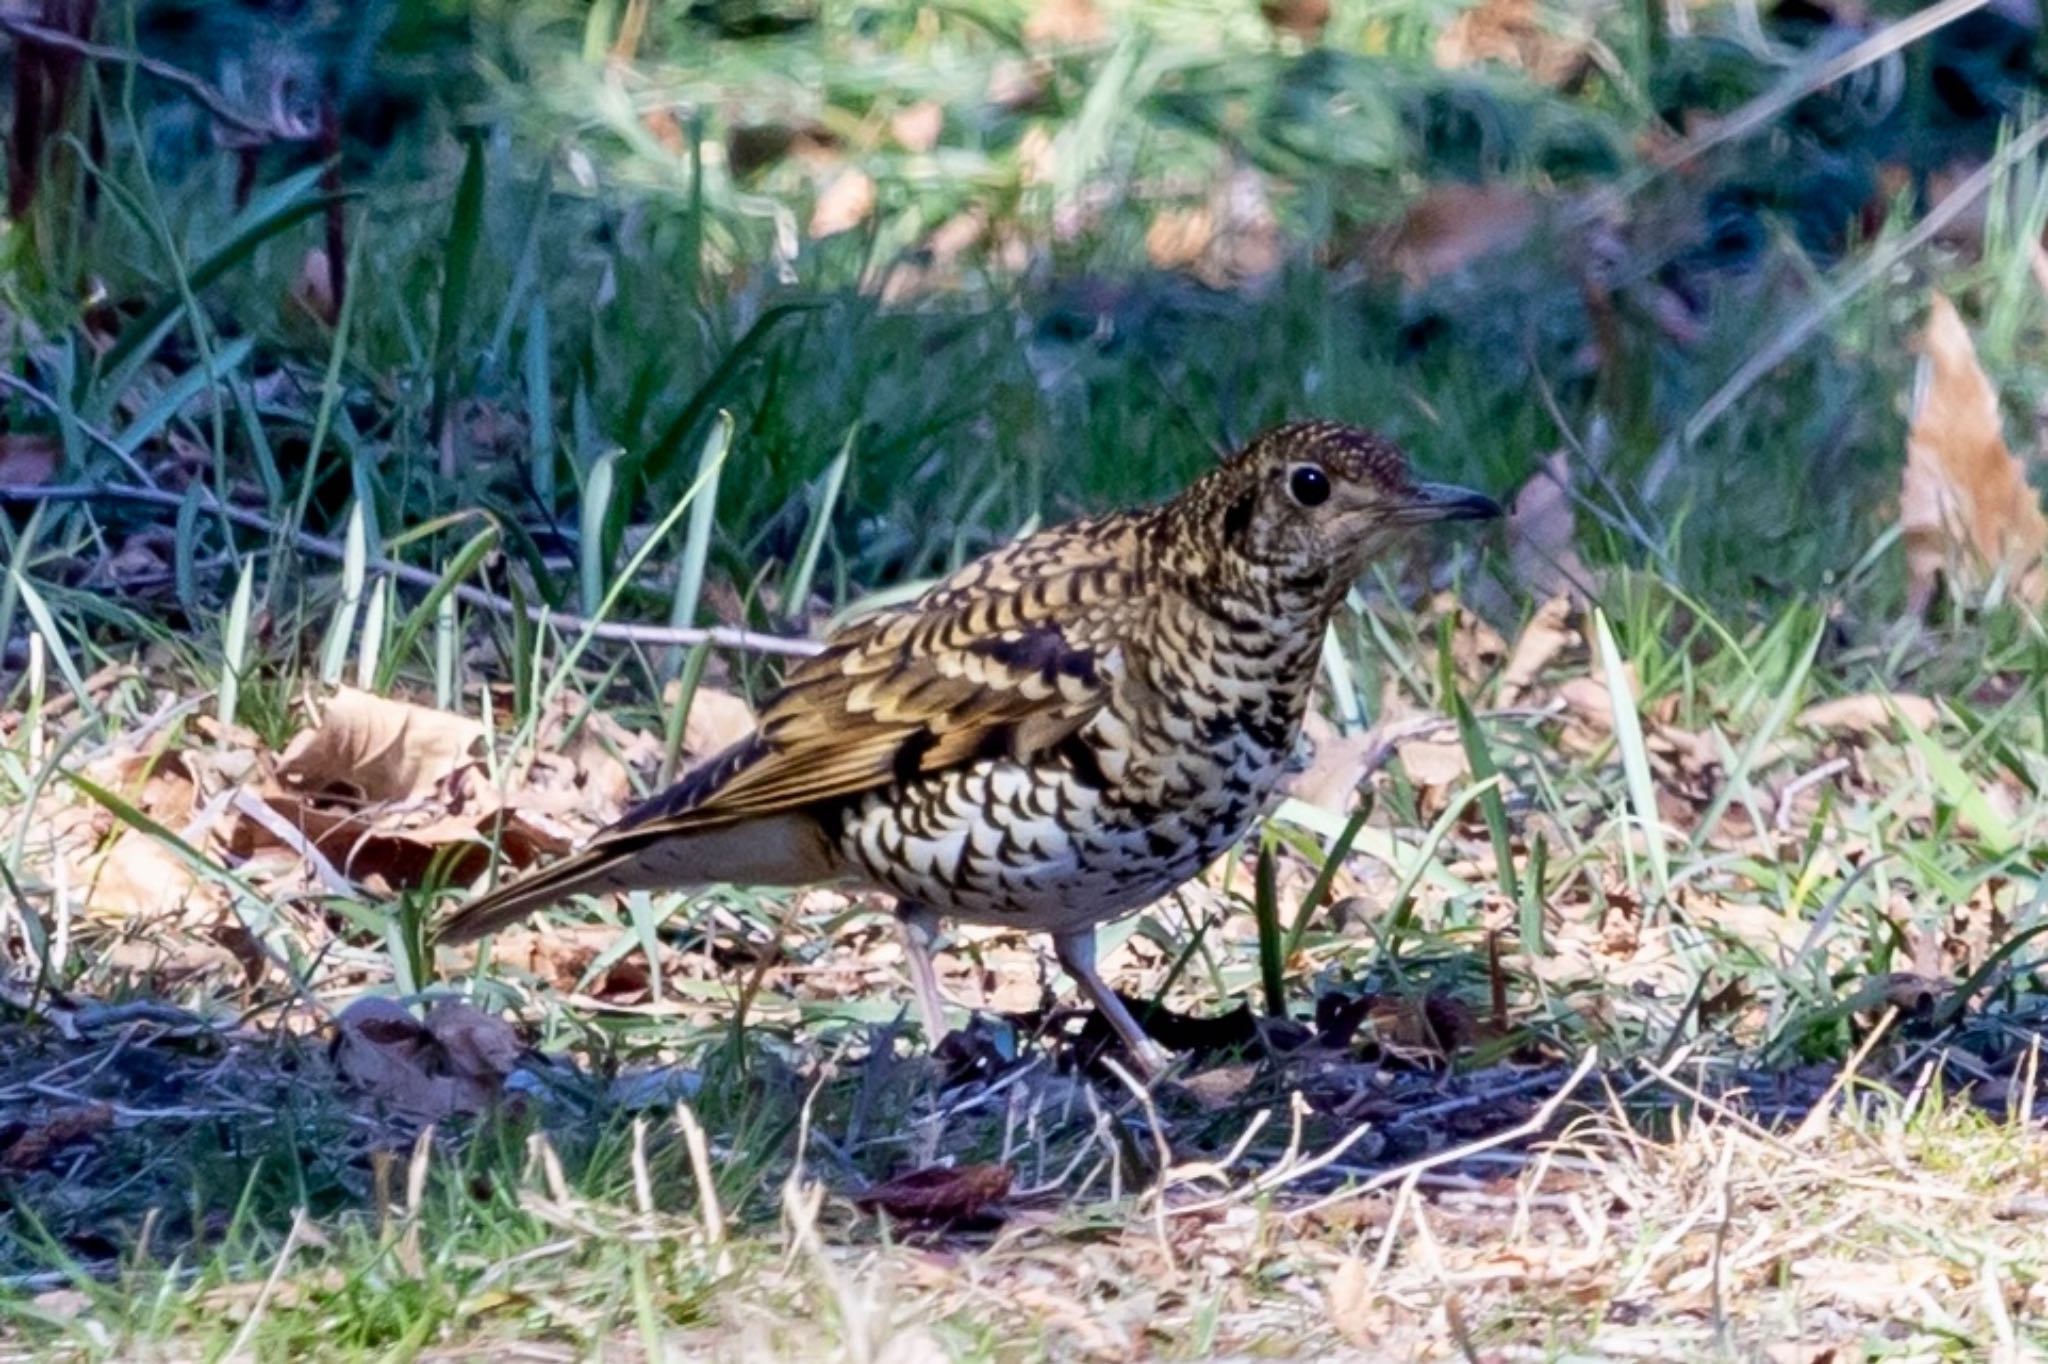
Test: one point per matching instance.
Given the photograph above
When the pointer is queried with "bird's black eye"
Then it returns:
(1309, 485)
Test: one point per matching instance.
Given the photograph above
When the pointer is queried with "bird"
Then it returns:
(1058, 734)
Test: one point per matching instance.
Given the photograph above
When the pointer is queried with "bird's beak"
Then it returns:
(1428, 502)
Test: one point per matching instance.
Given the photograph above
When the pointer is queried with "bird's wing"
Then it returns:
(1010, 656)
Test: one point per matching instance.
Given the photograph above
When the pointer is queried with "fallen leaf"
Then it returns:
(1354, 1309)
(1177, 238)
(64, 1304)
(1514, 33)
(1065, 23)
(34, 1148)
(1230, 241)
(844, 204)
(1305, 19)
(1337, 765)
(372, 748)
(1965, 508)
(1434, 764)
(139, 878)
(1868, 713)
(455, 1062)
(717, 719)
(1220, 1087)
(1547, 635)
(28, 458)
(946, 1193)
(917, 128)
(1542, 532)
(1454, 226)
(559, 957)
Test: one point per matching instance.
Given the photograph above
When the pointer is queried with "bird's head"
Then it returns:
(1310, 504)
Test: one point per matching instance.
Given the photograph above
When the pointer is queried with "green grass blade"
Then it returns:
(355, 555)
(466, 561)
(1326, 875)
(1266, 909)
(235, 643)
(598, 491)
(53, 640)
(540, 405)
(1491, 806)
(182, 390)
(697, 530)
(370, 656)
(465, 226)
(139, 339)
(1635, 756)
(660, 457)
(796, 593)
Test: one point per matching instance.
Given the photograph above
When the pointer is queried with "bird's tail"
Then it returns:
(596, 869)
(787, 850)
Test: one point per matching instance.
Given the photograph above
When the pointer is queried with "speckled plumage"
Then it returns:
(1058, 734)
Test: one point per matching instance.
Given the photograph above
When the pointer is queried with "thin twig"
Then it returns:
(1765, 107)
(320, 546)
(21, 388)
(1408, 1174)
(217, 104)
(1870, 268)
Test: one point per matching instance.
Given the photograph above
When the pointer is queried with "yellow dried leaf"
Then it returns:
(1965, 508)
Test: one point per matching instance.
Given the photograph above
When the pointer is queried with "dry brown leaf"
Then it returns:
(372, 748)
(33, 1148)
(944, 1193)
(717, 719)
(1354, 1309)
(1868, 713)
(1065, 23)
(917, 128)
(1178, 237)
(139, 878)
(1514, 33)
(1434, 764)
(453, 1063)
(1454, 226)
(844, 204)
(1541, 532)
(1231, 241)
(1965, 508)
(383, 788)
(28, 458)
(1305, 19)
(559, 957)
(1336, 766)
(1547, 635)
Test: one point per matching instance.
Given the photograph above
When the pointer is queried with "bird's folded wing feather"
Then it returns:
(1009, 657)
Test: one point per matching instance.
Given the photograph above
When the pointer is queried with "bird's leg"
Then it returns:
(1076, 951)
(920, 929)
